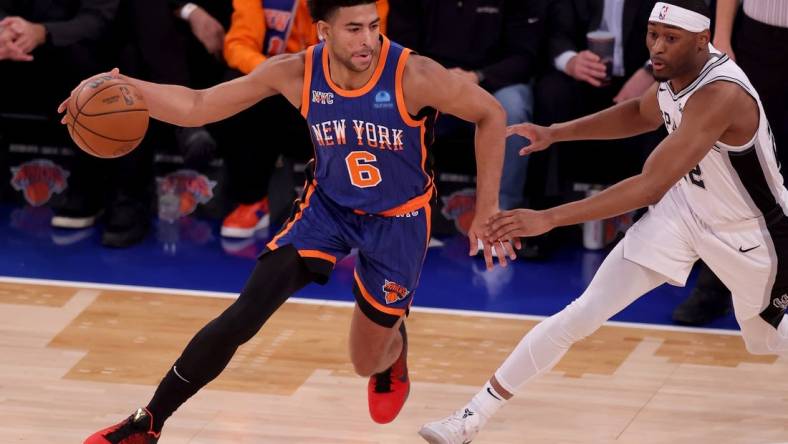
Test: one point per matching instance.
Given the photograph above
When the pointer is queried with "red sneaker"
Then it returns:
(136, 429)
(388, 391)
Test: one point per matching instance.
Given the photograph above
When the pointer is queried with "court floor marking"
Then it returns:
(331, 303)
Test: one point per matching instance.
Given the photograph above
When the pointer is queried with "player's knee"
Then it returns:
(578, 320)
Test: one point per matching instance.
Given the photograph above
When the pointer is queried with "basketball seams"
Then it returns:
(106, 137)
(84, 142)
(80, 108)
(116, 112)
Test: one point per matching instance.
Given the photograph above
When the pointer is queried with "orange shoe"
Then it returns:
(136, 429)
(246, 219)
(388, 391)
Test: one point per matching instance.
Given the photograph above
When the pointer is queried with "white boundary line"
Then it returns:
(330, 303)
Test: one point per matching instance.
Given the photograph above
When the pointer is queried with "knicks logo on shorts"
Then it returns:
(394, 292)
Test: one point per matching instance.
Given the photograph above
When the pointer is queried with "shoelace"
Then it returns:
(383, 381)
(126, 429)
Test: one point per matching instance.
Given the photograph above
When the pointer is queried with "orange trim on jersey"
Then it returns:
(411, 205)
(272, 245)
(305, 89)
(316, 254)
(384, 52)
(428, 214)
(398, 92)
(373, 302)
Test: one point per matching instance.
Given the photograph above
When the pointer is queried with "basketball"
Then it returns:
(106, 117)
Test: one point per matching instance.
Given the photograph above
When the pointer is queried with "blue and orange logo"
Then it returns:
(181, 191)
(460, 207)
(394, 292)
(38, 179)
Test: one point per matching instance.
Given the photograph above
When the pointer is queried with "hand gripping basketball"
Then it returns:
(106, 116)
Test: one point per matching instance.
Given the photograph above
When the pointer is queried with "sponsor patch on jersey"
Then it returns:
(383, 100)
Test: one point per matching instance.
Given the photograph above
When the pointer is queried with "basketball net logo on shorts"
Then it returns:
(394, 292)
(781, 302)
(322, 98)
(38, 180)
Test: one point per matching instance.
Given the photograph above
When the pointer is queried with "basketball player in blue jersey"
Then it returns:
(370, 105)
(714, 192)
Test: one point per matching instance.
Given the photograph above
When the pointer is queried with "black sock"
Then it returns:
(278, 274)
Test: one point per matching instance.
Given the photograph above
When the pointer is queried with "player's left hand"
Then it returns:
(517, 223)
(503, 247)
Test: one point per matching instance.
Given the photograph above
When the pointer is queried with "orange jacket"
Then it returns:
(243, 45)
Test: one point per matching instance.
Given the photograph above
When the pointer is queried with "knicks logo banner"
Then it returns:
(394, 292)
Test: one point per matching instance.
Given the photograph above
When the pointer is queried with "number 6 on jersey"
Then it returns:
(362, 173)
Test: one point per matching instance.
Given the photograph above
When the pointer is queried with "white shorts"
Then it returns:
(670, 238)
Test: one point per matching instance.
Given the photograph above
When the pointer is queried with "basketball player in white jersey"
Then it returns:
(714, 190)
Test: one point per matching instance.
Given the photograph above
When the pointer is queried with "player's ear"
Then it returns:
(323, 29)
(704, 37)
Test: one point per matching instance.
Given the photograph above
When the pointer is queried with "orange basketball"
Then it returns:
(107, 117)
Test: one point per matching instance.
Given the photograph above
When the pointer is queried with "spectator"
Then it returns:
(573, 83)
(255, 138)
(47, 47)
(150, 45)
(492, 43)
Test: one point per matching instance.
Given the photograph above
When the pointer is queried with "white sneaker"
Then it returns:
(459, 428)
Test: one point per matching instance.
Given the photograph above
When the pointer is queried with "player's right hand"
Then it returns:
(540, 136)
(64, 104)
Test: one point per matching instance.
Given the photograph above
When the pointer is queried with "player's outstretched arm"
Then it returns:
(428, 84)
(705, 119)
(188, 107)
(627, 119)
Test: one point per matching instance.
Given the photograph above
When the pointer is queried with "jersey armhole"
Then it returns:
(725, 146)
(307, 81)
(399, 92)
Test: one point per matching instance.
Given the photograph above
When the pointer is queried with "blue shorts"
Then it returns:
(391, 250)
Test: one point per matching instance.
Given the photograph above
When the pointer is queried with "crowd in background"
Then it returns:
(532, 55)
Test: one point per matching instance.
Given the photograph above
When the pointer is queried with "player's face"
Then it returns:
(673, 50)
(353, 35)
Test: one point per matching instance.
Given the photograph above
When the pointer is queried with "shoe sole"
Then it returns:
(431, 436)
(241, 233)
(73, 222)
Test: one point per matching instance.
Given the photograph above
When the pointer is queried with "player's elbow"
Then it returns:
(653, 189)
(193, 117)
(494, 113)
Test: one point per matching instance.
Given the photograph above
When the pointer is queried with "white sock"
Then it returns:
(487, 402)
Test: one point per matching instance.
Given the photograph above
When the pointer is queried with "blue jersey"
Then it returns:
(370, 153)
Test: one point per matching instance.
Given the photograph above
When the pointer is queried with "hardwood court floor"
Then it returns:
(73, 360)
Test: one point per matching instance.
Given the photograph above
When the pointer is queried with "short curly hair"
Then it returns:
(322, 9)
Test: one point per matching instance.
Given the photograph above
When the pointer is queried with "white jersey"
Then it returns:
(731, 183)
